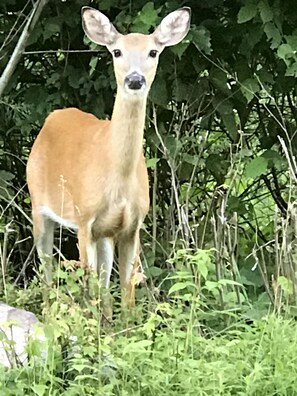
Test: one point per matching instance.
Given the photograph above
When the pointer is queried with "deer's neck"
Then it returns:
(127, 128)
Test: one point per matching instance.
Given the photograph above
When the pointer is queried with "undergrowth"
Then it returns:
(187, 345)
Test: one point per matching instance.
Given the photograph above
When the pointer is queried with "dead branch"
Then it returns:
(21, 45)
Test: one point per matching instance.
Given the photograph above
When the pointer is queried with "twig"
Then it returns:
(172, 171)
(154, 212)
(21, 45)
(26, 263)
(62, 51)
(13, 31)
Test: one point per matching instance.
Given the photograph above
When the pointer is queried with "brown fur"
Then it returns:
(82, 185)
(91, 174)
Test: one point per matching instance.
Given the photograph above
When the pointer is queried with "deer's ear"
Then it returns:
(174, 27)
(98, 27)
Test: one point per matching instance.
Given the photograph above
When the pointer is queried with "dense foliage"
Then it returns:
(168, 350)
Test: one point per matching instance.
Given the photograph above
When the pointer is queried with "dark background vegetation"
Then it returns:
(220, 134)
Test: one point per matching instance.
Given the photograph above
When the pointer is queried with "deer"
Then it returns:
(90, 175)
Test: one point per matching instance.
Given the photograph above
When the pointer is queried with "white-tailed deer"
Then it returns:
(90, 175)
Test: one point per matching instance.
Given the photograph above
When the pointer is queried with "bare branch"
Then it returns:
(21, 45)
(60, 51)
(15, 30)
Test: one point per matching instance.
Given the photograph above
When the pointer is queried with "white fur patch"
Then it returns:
(46, 211)
(92, 255)
(105, 260)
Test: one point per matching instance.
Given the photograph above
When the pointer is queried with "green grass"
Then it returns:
(166, 349)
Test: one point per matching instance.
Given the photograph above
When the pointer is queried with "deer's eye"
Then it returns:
(117, 53)
(153, 53)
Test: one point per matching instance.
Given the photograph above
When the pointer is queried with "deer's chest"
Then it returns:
(119, 214)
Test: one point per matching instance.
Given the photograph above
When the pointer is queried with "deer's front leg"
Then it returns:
(128, 266)
(97, 255)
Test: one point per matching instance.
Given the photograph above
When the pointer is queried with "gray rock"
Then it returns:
(17, 328)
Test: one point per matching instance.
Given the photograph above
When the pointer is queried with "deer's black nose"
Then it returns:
(134, 81)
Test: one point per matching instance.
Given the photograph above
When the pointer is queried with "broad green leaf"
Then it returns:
(35, 35)
(51, 28)
(237, 205)
(226, 282)
(231, 297)
(158, 93)
(3, 338)
(285, 284)
(79, 367)
(148, 14)
(62, 274)
(249, 88)
(222, 105)
(180, 286)
(152, 162)
(173, 145)
(181, 91)
(106, 4)
(285, 52)
(265, 76)
(39, 389)
(266, 12)
(180, 48)
(203, 260)
(292, 70)
(73, 287)
(7, 176)
(230, 124)
(210, 285)
(139, 346)
(218, 166)
(90, 43)
(249, 277)
(190, 159)
(201, 38)
(292, 41)
(219, 79)
(93, 63)
(274, 158)
(246, 13)
(74, 77)
(273, 34)
(154, 271)
(202, 268)
(256, 167)
(80, 272)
